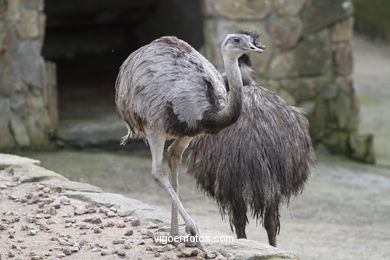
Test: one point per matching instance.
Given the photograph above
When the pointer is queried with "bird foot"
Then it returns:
(192, 230)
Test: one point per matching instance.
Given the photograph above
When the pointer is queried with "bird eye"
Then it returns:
(236, 40)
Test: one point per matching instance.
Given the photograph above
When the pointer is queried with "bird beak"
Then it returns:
(259, 49)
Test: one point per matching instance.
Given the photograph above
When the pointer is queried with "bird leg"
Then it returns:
(175, 151)
(156, 142)
(272, 224)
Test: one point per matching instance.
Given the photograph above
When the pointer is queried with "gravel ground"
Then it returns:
(36, 222)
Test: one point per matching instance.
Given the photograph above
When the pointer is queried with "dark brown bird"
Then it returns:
(167, 90)
(258, 162)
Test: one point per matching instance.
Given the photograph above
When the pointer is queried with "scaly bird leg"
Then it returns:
(156, 142)
(175, 151)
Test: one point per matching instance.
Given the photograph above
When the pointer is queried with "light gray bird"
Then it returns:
(167, 90)
(258, 162)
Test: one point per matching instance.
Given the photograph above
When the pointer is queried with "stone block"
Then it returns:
(285, 31)
(32, 4)
(30, 65)
(303, 89)
(237, 9)
(317, 15)
(342, 31)
(19, 131)
(29, 25)
(282, 65)
(313, 54)
(50, 96)
(343, 57)
(361, 147)
(288, 7)
(13, 8)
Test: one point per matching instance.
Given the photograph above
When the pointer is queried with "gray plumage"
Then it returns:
(168, 90)
(258, 162)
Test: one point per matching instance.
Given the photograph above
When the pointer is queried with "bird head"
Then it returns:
(240, 43)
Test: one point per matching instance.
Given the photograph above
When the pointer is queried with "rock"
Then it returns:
(32, 232)
(238, 9)
(362, 147)
(109, 224)
(104, 252)
(344, 59)
(121, 252)
(190, 252)
(316, 15)
(11, 254)
(129, 232)
(118, 241)
(157, 254)
(56, 204)
(285, 31)
(60, 255)
(120, 224)
(135, 222)
(210, 255)
(288, 7)
(97, 230)
(166, 248)
(8, 160)
(79, 210)
(67, 251)
(110, 214)
(342, 31)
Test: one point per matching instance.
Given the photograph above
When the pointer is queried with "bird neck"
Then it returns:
(232, 111)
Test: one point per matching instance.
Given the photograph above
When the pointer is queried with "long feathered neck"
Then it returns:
(232, 111)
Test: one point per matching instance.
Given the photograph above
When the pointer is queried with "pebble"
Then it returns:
(79, 210)
(129, 232)
(157, 254)
(11, 254)
(67, 251)
(127, 245)
(118, 241)
(20, 240)
(56, 204)
(97, 230)
(32, 232)
(190, 252)
(109, 224)
(3, 227)
(135, 222)
(60, 255)
(36, 257)
(152, 226)
(210, 255)
(83, 226)
(121, 252)
(164, 229)
(120, 224)
(166, 248)
(104, 252)
(110, 214)
(52, 211)
(124, 213)
(96, 249)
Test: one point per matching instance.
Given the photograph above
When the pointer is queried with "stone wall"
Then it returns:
(28, 102)
(308, 60)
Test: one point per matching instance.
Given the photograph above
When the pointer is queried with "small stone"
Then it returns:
(190, 252)
(79, 210)
(164, 229)
(181, 246)
(118, 241)
(124, 213)
(166, 248)
(64, 200)
(141, 242)
(109, 224)
(83, 226)
(67, 251)
(113, 209)
(20, 240)
(32, 232)
(135, 222)
(12, 197)
(11, 254)
(104, 252)
(96, 249)
(96, 220)
(60, 255)
(157, 254)
(121, 252)
(110, 214)
(3, 227)
(129, 232)
(46, 189)
(97, 230)
(56, 204)
(127, 245)
(152, 226)
(120, 224)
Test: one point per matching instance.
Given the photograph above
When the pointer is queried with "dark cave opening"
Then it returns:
(89, 39)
